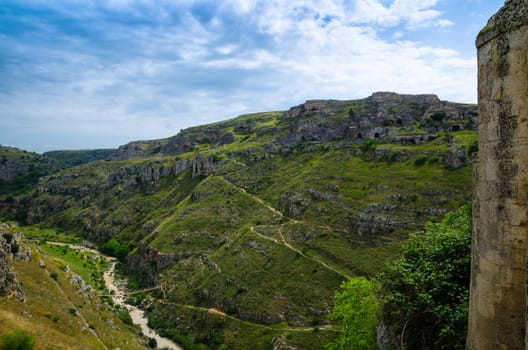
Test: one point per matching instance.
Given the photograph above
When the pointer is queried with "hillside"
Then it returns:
(72, 158)
(262, 217)
(19, 169)
(43, 291)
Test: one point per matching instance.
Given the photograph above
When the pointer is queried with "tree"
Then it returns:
(357, 308)
(17, 340)
(113, 248)
(425, 290)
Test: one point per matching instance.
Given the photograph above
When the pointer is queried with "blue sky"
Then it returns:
(80, 74)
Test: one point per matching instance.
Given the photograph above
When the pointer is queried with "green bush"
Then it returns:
(425, 290)
(125, 317)
(438, 116)
(113, 248)
(357, 308)
(17, 340)
(472, 148)
(421, 160)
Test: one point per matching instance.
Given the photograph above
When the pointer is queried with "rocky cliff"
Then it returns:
(402, 118)
(20, 169)
(500, 239)
(11, 247)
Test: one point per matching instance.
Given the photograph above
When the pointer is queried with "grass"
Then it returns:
(267, 238)
(48, 316)
(89, 266)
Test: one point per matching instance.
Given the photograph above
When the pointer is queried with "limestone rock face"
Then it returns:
(9, 284)
(382, 115)
(500, 207)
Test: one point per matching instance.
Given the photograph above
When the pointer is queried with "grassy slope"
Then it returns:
(48, 314)
(30, 166)
(271, 235)
(78, 157)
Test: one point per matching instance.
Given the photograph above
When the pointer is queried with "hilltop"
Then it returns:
(263, 216)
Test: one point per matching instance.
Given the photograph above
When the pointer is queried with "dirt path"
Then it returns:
(282, 240)
(215, 311)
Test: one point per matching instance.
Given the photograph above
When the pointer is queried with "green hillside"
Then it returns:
(19, 169)
(77, 157)
(252, 224)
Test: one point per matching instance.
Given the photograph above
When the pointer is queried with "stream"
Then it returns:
(117, 289)
(137, 315)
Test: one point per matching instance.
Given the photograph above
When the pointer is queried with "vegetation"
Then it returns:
(55, 321)
(27, 168)
(113, 248)
(17, 340)
(425, 291)
(298, 218)
(72, 158)
(357, 308)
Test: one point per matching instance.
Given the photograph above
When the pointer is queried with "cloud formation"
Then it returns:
(79, 74)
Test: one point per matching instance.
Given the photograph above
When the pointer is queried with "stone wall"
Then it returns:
(500, 232)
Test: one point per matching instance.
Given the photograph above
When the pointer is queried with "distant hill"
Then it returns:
(20, 170)
(260, 218)
(77, 157)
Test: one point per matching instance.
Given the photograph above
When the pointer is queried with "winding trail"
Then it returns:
(137, 314)
(328, 328)
(282, 239)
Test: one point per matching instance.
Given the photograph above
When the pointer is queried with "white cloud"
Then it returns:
(148, 81)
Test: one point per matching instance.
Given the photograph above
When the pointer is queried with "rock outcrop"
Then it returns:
(24, 166)
(382, 115)
(497, 314)
(10, 248)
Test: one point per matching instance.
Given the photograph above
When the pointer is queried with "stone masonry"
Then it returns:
(497, 317)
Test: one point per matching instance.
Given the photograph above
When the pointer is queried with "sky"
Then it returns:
(84, 74)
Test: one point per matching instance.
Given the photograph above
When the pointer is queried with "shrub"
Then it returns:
(14, 248)
(8, 237)
(421, 160)
(113, 248)
(425, 290)
(472, 148)
(152, 343)
(54, 275)
(357, 308)
(438, 116)
(17, 340)
(125, 317)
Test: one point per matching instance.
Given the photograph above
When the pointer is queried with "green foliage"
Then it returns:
(421, 160)
(472, 148)
(14, 248)
(54, 275)
(113, 248)
(357, 308)
(438, 116)
(8, 237)
(17, 340)
(152, 343)
(125, 317)
(368, 145)
(486, 29)
(425, 290)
